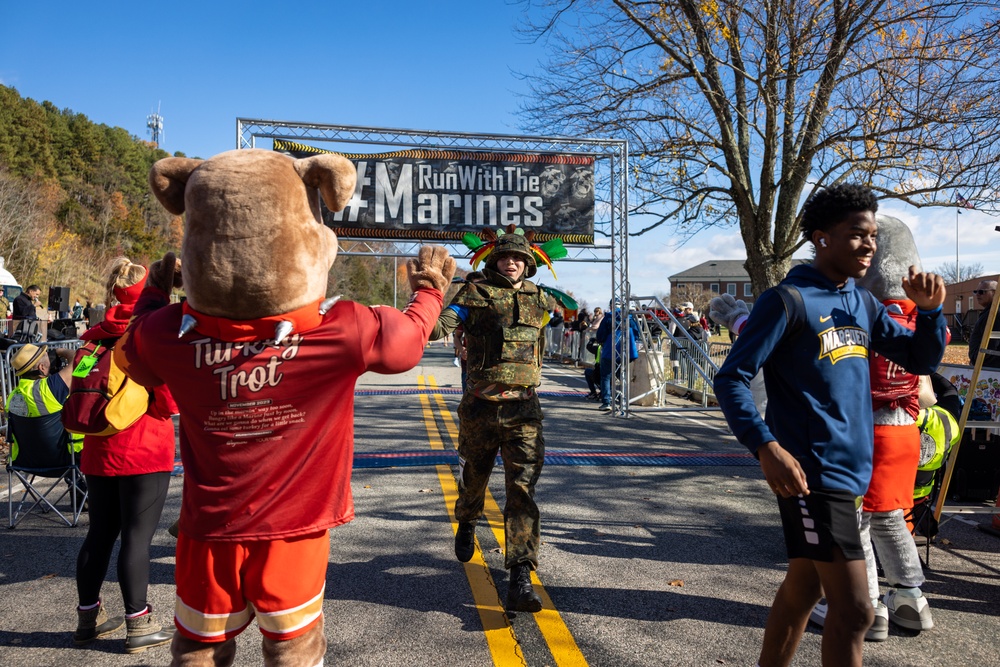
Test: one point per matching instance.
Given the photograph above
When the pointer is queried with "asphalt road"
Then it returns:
(641, 565)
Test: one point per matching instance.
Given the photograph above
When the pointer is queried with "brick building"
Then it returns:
(714, 277)
(727, 276)
(962, 302)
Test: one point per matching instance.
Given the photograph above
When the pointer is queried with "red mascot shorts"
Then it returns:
(221, 586)
(894, 468)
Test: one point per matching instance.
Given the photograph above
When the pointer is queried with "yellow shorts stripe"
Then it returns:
(210, 625)
(289, 620)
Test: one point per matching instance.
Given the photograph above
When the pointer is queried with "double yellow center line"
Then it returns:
(500, 636)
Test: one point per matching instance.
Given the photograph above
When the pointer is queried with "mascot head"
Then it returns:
(896, 252)
(254, 242)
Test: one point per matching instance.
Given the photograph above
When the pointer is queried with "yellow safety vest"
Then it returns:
(34, 398)
(938, 432)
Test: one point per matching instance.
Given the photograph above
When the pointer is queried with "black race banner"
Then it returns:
(441, 195)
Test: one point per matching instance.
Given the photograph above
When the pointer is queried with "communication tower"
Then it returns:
(154, 122)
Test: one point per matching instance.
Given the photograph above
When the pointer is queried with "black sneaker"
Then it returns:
(465, 541)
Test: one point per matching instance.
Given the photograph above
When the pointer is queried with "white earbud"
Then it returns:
(822, 242)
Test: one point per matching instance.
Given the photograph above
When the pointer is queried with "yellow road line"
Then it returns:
(561, 643)
(504, 647)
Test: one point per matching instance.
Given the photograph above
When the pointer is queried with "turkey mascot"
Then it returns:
(263, 366)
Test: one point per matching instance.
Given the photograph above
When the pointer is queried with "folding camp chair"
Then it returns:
(45, 467)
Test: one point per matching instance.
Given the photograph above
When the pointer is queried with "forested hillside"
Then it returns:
(73, 194)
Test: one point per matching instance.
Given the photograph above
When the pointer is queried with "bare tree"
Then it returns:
(737, 109)
(950, 272)
(22, 215)
(695, 293)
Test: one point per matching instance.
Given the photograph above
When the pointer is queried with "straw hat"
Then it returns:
(26, 359)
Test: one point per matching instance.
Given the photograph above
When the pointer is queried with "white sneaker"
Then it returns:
(908, 609)
(879, 631)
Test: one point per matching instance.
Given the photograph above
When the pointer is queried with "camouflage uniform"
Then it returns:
(500, 409)
(515, 428)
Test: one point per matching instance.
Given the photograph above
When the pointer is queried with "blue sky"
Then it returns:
(442, 65)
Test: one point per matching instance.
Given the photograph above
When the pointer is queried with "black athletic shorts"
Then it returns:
(816, 523)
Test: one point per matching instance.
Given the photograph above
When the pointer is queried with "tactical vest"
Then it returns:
(938, 432)
(502, 333)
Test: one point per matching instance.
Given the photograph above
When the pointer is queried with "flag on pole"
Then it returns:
(962, 201)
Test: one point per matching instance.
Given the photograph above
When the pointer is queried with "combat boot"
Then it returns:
(521, 594)
(465, 541)
(93, 624)
(144, 633)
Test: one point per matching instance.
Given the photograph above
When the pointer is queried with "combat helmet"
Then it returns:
(513, 244)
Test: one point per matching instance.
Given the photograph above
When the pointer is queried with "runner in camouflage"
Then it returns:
(503, 317)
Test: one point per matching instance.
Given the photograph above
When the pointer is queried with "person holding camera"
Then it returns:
(42, 385)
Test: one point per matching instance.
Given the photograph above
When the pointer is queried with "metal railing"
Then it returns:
(694, 362)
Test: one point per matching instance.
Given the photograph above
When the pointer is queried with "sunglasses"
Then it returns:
(980, 292)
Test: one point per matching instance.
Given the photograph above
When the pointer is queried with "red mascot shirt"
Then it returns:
(896, 453)
(892, 386)
(267, 432)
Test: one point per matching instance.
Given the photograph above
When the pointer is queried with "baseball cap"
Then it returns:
(687, 304)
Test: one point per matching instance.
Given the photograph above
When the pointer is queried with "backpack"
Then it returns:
(102, 399)
(795, 307)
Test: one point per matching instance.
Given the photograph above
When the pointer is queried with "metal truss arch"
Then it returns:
(610, 155)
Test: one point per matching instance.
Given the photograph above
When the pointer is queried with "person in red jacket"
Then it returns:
(128, 475)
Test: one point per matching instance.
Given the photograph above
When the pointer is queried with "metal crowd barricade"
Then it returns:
(7, 379)
(697, 365)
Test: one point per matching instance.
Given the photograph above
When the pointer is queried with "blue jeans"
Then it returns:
(606, 379)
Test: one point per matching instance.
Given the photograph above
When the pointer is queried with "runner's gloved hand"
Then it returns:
(728, 311)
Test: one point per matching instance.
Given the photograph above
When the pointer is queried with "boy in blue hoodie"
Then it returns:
(812, 335)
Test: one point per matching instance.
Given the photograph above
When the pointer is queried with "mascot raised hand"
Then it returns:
(263, 364)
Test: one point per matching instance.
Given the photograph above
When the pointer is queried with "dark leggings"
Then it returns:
(129, 505)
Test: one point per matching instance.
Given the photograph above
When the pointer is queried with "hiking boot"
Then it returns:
(521, 594)
(465, 541)
(144, 633)
(908, 609)
(879, 631)
(93, 624)
(818, 614)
